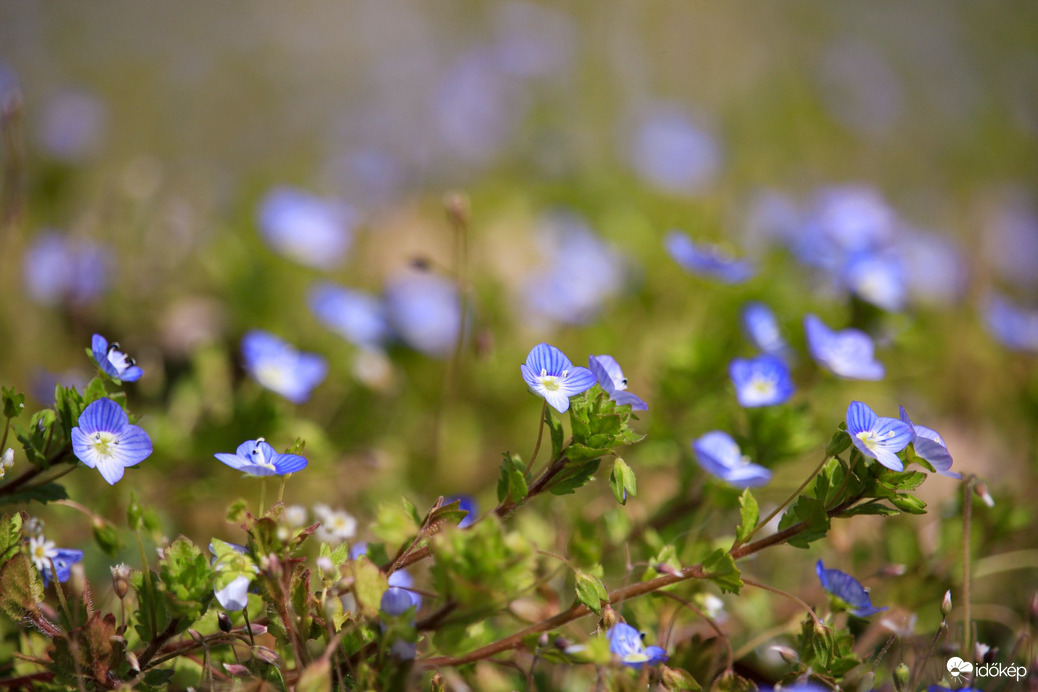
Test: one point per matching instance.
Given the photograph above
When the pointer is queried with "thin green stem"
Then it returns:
(263, 493)
(540, 436)
(780, 592)
(148, 586)
(786, 503)
(3, 440)
(281, 488)
(61, 596)
(967, 516)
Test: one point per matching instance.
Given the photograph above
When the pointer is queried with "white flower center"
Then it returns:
(763, 386)
(551, 383)
(868, 438)
(103, 442)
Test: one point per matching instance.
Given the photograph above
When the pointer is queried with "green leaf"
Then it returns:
(839, 442)
(590, 591)
(412, 511)
(622, 481)
(871, 508)
(809, 512)
(678, 679)
(14, 403)
(721, 569)
(94, 390)
(107, 538)
(555, 430)
(749, 514)
(10, 536)
(449, 514)
(237, 511)
(48, 492)
(20, 588)
(909, 504)
(368, 586)
(186, 580)
(572, 477)
(512, 485)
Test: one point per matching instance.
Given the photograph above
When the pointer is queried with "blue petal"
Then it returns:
(104, 415)
(577, 381)
(99, 345)
(860, 418)
(893, 434)
(748, 476)
(846, 588)
(235, 461)
(625, 398)
(557, 399)
(131, 374)
(608, 373)
(888, 459)
(740, 370)
(548, 359)
(529, 376)
(289, 463)
(937, 454)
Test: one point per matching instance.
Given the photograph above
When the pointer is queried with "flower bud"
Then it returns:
(867, 682)
(120, 580)
(458, 206)
(224, 621)
(266, 655)
(946, 604)
(981, 490)
(236, 669)
(135, 666)
(787, 654)
(609, 617)
(901, 677)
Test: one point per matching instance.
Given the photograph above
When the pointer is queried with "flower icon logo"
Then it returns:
(956, 666)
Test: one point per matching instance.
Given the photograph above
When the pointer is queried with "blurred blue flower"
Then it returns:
(848, 353)
(939, 688)
(855, 217)
(235, 571)
(467, 503)
(847, 592)
(930, 445)
(878, 438)
(105, 440)
(1013, 326)
(396, 602)
(114, 362)
(673, 154)
(935, 268)
(311, 230)
(279, 367)
(626, 643)
(532, 40)
(401, 578)
(1009, 237)
(235, 594)
(52, 562)
(761, 381)
(877, 278)
(719, 455)
(257, 458)
(60, 269)
(582, 272)
(73, 124)
(552, 375)
(424, 311)
(762, 329)
(611, 379)
(357, 316)
(706, 260)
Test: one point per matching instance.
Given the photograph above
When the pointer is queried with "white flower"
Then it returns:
(6, 461)
(42, 552)
(294, 516)
(336, 525)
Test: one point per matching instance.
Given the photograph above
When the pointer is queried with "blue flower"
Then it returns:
(847, 591)
(468, 504)
(848, 353)
(395, 603)
(73, 124)
(876, 278)
(279, 367)
(1013, 326)
(52, 562)
(105, 440)
(235, 571)
(706, 260)
(718, 454)
(357, 316)
(611, 379)
(673, 154)
(551, 375)
(401, 578)
(60, 269)
(114, 362)
(257, 458)
(626, 643)
(311, 230)
(762, 328)
(761, 381)
(930, 445)
(424, 311)
(878, 438)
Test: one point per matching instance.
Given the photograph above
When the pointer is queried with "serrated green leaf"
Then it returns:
(572, 477)
(450, 514)
(749, 514)
(48, 492)
(13, 402)
(10, 536)
(590, 591)
(721, 569)
(512, 486)
(811, 513)
(94, 390)
(368, 586)
(555, 432)
(186, 580)
(20, 588)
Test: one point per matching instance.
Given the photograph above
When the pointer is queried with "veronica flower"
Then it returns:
(52, 562)
(395, 603)
(113, 362)
(105, 440)
(235, 571)
(848, 353)
(424, 311)
(611, 379)
(357, 316)
(878, 438)
(279, 367)
(719, 454)
(257, 458)
(930, 445)
(876, 278)
(336, 526)
(553, 376)
(311, 230)
(1015, 327)
(626, 643)
(762, 328)
(761, 381)
(673, 154)
(401, 578)
(847, 591)
(60, 269)
(706, 260)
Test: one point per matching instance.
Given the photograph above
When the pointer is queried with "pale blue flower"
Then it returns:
(553, 376)
(847, 591)
(235, 571)
(113, 361)
(719, 455)
(105, 440)
(626, 644)
(61, 269)
(848, 353)
(877, 278)
(357, 316)
(51, 561)
(73, 124)
(311, 230)
(706, 260)
(878, 438)
(673, 154)
(257, 458)
(762, 328)
(761, 381)
(279, 367)
(611, 379)
(424, 311)
(1015, 327)
(930, 445)
(395, 603)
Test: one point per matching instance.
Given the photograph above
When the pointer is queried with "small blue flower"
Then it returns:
(877, 278)
(235, 571)
(673, 154)
(114, 362)
(52, 562)
(761, 381)
(848, 353)
(878, 438)
(395, 603)
(718, 454)
(706, 260)
(762, 328)
(611, 378)
(626, 643)
(401, 578)
(358, 317)
(930, 445)
(551, 375)
(424, 311)
(847, 591)
(257, 458)
(61, 269)
(279, 367)
(467, 503)
(313, 231)
(105, 440)
(1013, 326)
